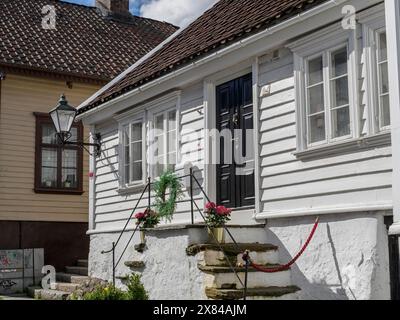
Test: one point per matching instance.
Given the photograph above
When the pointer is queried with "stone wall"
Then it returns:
(168, 272)
(347, 259)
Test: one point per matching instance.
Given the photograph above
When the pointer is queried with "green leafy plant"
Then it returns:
(108, 292)
(149, 219)
(168, 181)
(136, 290)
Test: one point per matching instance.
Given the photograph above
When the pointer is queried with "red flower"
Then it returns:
(221, 210)
(211, 205)
(140, 215)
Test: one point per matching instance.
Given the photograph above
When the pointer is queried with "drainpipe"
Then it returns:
(2, 77)
(392, 12)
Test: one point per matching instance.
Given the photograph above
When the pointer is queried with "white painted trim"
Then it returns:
(257, 145)
(92, 180)
(323, 43)
(210, 84)
(392, 11)
(384, 206)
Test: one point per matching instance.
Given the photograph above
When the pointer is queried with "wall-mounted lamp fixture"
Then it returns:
(63, 116)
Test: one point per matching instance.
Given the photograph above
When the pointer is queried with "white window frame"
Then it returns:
(164, 111)
(145, 113)
(128, 122)
(372, 25)
(322, 43)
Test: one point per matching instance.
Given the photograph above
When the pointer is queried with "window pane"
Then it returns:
(49, 157)
(339, 62)
(172, 161)
(49, 134)
(126, 136)
(384, 78)
(159, 145)
(315, 71)
(127, 155)
(69, 158)
(172, 141)
(382, 47)
(159, 166)
(385, 105)
(74, 134)
(69, 178)
(159, 123)
(341, 122)
(127, 177)
(136, 151)
(317, 128)
(316, 99)
(49, 177)
(172, 120)
(340, 89)
(137, 171)
(137, 132)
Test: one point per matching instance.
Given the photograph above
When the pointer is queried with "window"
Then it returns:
(58, 168)
(133, 143)
(327, 96)
(383, 81)
(148, 137)
(165, 142)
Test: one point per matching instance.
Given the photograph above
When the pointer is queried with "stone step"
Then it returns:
(212, 255)
(224, 277)
(284, 293)
(46, 294)
(241, 233)
(71, 278)
(82, 263)
(83, 271)
(66, 287)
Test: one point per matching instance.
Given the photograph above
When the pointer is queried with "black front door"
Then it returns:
(235, 171)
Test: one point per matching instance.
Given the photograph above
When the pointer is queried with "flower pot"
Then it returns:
(142, 237)
(216, 235)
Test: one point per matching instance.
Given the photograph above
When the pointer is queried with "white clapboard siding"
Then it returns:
(287, 184)
(112, 208)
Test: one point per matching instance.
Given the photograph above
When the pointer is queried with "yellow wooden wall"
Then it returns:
(20, 98)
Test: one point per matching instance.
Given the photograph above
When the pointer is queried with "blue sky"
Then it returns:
(177, 12)
(135, 5)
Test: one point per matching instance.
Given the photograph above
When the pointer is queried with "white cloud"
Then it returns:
(177, 12)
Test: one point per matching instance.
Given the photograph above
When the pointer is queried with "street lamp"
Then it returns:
(63, 116)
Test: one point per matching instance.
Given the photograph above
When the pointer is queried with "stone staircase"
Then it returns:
(67, 282)
(221, 282)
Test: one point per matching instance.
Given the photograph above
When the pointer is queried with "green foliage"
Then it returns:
(108, 292)
(166, 208)
(136, 290)
(148, 219)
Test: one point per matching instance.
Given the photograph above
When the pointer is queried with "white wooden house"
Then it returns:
(310, 80)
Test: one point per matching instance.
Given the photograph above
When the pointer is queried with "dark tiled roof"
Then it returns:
(227, 22)
(85, 44)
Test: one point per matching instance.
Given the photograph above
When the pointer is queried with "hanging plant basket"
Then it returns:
(167, 207)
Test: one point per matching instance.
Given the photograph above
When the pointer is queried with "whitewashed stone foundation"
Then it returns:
(347, 259)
